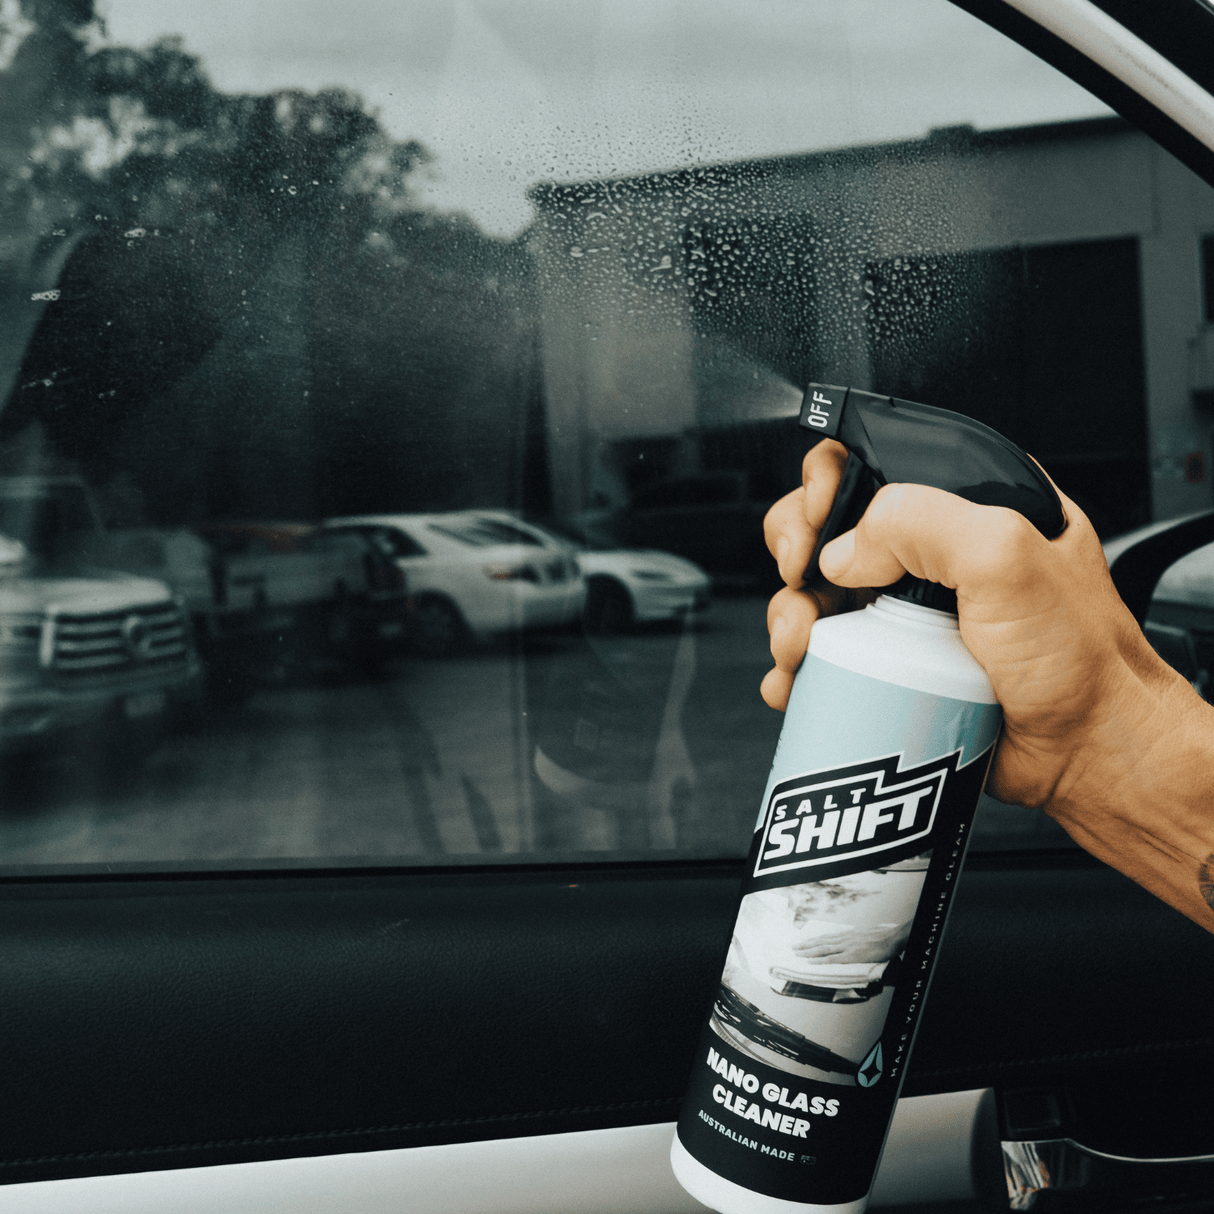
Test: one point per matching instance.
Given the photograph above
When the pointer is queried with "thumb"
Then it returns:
(916, 529)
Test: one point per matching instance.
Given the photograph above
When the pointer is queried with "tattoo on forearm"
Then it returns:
(1205, 880)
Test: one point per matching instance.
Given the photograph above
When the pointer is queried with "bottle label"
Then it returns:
(848, 885)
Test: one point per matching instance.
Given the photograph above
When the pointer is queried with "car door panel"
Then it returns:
(239, 1019)
(941, 1148)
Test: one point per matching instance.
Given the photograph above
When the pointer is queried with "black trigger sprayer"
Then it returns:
(863, 826)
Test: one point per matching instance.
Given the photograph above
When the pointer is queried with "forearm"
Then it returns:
(1142, 798)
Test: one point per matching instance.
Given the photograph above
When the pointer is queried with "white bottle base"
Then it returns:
(728, 1198)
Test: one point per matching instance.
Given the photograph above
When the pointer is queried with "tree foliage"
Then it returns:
(253, 314)
(140, 137)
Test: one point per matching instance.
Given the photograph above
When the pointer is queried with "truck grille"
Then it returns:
(118, 642)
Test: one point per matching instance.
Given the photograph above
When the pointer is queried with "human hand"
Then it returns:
(1098, 730)
(1041, 616)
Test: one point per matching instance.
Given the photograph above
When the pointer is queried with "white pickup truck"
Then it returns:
(266, 600)
(80, 645)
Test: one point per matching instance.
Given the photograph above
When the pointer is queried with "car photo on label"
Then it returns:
(811, 969)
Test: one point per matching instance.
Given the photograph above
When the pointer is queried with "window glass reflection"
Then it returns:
(392, 402)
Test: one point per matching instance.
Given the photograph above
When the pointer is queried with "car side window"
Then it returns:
(400, 543)
(484, 532)
(547, 279)
(329, 543)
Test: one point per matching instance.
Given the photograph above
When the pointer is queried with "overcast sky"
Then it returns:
(510, 92)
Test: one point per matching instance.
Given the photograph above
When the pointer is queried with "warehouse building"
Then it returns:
(1056, 282)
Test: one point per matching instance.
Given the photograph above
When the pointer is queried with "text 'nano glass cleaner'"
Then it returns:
(862, 829)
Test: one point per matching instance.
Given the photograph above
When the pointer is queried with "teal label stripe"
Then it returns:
(836, 717)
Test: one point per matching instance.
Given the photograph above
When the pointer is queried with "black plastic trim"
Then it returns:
(546, 862)
(1136, 570)
(151, 1025)
(1163, 24)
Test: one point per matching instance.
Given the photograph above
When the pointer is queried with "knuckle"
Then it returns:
(780, 518)
(792, 606)
(889, 508)
(1011, 541)
(1007, 557)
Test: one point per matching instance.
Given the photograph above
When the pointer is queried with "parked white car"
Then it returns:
(626, 586)
(473, 574)
(83, 648)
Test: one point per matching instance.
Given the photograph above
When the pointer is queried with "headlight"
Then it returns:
(512, 573)
(651, 575)
(20, 644)
(20, 632)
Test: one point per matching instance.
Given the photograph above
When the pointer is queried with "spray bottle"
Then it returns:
(890, 729)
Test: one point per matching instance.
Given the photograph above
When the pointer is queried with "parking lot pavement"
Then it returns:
(435, 761)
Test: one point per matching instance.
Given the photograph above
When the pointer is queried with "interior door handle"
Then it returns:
(1136, 570)
(1079, 1177)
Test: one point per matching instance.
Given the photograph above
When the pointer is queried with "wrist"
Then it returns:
(1138, 789)
(1128, 740)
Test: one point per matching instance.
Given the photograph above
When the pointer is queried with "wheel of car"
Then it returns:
(339, 622)
(608, 607)
(439, 629)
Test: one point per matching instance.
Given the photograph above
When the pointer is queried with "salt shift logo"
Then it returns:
(825, 816)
